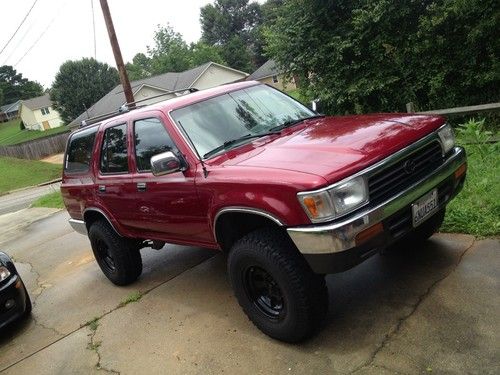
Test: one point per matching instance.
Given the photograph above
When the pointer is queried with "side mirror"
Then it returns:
(165, 163)
(315, 105)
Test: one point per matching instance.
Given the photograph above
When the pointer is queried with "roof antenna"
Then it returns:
(203, 166)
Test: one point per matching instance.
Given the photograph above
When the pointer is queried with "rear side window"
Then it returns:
(114, 156)
(151, 138)
(79, 152)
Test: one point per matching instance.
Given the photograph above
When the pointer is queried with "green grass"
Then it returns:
(476, 210)
(11, 133)
(19, 173)
(93, 324)
(51, 200)
(132, 297)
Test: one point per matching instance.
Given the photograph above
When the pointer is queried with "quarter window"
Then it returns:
(150, 138)
(79, 151)
(114, 156)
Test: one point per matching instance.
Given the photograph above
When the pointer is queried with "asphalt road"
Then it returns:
(435, 309)
(20, 199)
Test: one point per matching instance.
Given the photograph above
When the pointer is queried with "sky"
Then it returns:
(61, 30)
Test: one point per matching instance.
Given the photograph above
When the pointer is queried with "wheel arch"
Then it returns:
(92, 214)
(232, 223)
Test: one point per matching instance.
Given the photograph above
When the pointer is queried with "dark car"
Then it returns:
(14, 299)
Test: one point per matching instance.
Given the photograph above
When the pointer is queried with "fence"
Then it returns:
(410, 108)
(37, 148)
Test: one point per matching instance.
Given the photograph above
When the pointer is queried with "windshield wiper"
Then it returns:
(289, 123)
(232, 142)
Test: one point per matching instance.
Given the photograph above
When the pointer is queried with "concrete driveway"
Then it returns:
(430, 310)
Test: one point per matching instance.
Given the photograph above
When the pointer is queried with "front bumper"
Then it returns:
(13, 300)
(339, 238)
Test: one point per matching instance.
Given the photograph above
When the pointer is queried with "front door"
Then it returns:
(167, 207)
(45, 125)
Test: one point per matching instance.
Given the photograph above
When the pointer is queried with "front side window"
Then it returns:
(150, 138)
(114, 156)
(247, 112)
(79, 151)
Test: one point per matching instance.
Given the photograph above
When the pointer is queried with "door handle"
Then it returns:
(102, 188)
(141, 186)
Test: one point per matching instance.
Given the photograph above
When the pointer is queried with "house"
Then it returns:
(270, 74)
(38, 113)
(9, 111)
(202, 77)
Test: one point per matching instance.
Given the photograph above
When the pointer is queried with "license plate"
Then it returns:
(424, 207)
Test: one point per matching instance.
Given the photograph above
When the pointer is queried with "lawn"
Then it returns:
(19, 173)
(52, 200)
(476, 210)
(11, 133)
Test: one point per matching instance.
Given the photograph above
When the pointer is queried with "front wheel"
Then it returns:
(275, 286)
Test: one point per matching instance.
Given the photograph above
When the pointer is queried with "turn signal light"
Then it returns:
(369, 233)
(460, 171)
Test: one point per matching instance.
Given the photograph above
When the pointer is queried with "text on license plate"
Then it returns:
(424, 207)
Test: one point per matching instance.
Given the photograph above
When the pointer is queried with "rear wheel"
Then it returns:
(118, 257)
(275, 286)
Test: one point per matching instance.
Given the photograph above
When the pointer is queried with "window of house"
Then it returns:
(114, 154)
(150, 138)
(275, 79)
(79, 151)
(45, 111)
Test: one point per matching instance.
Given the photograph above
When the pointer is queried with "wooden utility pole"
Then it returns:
(129, 96)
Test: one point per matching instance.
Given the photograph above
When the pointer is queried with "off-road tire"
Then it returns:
(305, 295)
(124, 253)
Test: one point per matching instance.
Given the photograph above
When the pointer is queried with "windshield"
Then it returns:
(252, 111)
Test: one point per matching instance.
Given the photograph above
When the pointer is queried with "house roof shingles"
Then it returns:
(268, 69)
(167, 81)
(38, 102)
(10, 107)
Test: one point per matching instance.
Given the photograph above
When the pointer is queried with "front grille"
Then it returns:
(389, 181)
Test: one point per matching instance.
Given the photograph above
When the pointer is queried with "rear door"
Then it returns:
(167, 207)
(115, 189)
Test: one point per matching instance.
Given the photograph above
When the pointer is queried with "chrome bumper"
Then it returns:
(79, 226)
(340, 236)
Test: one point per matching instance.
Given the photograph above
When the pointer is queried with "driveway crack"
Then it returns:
(397, 327)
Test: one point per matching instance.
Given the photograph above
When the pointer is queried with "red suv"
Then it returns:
(288, 194)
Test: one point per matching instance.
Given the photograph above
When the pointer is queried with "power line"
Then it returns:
(22, 22)
(93, 25)
(41, 35)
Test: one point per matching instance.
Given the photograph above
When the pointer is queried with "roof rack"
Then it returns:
(127, 107)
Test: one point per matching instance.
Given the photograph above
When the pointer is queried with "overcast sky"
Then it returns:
(69, 34)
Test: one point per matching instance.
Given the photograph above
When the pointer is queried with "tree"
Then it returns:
(139, 68)
(231, 23)
(201, 53)
(15, 87)
(170, 53)
(79, 84)
(361, 56)
(1, 97)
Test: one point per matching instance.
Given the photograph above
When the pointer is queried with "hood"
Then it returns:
(333, 147)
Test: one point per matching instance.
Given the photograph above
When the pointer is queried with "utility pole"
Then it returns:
(127, 90)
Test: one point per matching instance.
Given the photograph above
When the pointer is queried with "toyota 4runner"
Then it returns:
(288, 194)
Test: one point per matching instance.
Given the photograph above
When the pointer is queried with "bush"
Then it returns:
(22, 126)
(476, 210)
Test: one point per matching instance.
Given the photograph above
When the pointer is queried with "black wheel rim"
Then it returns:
(105, 256)
(264, 292)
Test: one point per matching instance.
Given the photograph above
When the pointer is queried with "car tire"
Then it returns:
(275, 286)
(118, 257)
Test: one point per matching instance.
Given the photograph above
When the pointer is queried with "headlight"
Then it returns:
(336, 201)
(447, 138)
(4, 273)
